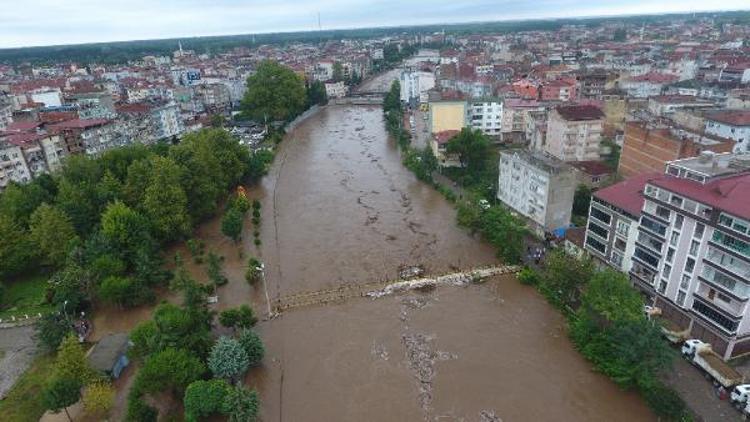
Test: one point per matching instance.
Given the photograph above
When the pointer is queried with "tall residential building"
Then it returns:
(486, 115)
(692, 253)
(648, 146)
(537, 186)
(414, 86)
(574, 133)
(612, 226)
(13, 167)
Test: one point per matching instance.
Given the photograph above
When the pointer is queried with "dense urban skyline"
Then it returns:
(86, 21)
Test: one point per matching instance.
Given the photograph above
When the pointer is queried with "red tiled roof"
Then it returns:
(627, 194)
(731, 117)
(445, 136)
(23, 126)
(593, 168)
(580, 112)
(731, 194)
(78, 124)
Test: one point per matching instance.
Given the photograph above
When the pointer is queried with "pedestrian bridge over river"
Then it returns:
(360, 98)
(384, 288)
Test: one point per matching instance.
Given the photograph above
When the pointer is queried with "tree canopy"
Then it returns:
(274, 93)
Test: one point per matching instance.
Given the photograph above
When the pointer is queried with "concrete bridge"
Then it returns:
(384, 288)
(360, 98)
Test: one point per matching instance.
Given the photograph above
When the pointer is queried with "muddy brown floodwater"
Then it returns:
(338, 208)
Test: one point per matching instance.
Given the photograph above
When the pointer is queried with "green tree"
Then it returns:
(165, 201)
(392, 100)
(564, 278)
(241, 405)
(70, 362)
(205, 398)
(316, 93)
(231, 224)
(18, 202)
(51, 329)
(228, 360)
(274, 92)
(120, 291)
(254, 270)
(504, 231)
(240, 317)
(581, 201)
(472, 148)
(16, 248)
(61, 393)
(338, 72)
(52, 233)
(213, 270)
(253, 345)
(170, 370)
(609, 297)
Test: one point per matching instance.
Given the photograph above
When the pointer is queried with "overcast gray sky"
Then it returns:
(45, 22)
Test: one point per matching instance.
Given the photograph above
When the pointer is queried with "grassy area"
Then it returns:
(24, 403)
(24, 296)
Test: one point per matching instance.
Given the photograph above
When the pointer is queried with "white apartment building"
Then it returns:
(537, 186)
(415, 84)
(13, 166)
(487, 116)
(574, 133)
(167, 121)
(692, 253)
(731, 124)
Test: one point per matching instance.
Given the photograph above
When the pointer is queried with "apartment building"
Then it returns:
(574, 133)
(13, 167)
(692, 253)
(486, 115)
(612, 226)
(648, 146)
(732, 124)
(448, 111)
(537, 186)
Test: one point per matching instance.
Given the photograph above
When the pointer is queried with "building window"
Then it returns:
(646, 257)
(670, 255)
(676, 201)
(689, 265)
(694, 245)
(596, 245)
(666, 271)
(684, 281)
(663, 213)
(731, 243)
(599, 230)
(678, 220)
(601, 215)
(715, 317)
(674, 238)
(653, 226)
(699, 229)
(616, 259)
(681, 298)
(724, 298)
(662, 286)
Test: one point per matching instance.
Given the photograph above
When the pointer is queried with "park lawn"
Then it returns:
(24, 401)
(25, 296)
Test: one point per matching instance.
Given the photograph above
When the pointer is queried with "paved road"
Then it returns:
(18, 349)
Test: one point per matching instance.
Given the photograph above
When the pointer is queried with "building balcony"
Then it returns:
(719, 318)
(722, 281)
(732, 243)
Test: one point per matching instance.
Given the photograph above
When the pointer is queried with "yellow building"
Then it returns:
(447, 115)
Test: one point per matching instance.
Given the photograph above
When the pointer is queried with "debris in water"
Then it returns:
(409, 272)
(378, 350)
(489, 416)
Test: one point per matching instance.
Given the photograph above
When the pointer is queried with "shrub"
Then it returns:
(528, 277)
(253, 345)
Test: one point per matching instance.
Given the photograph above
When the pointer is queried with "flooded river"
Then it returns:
(340, 208)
